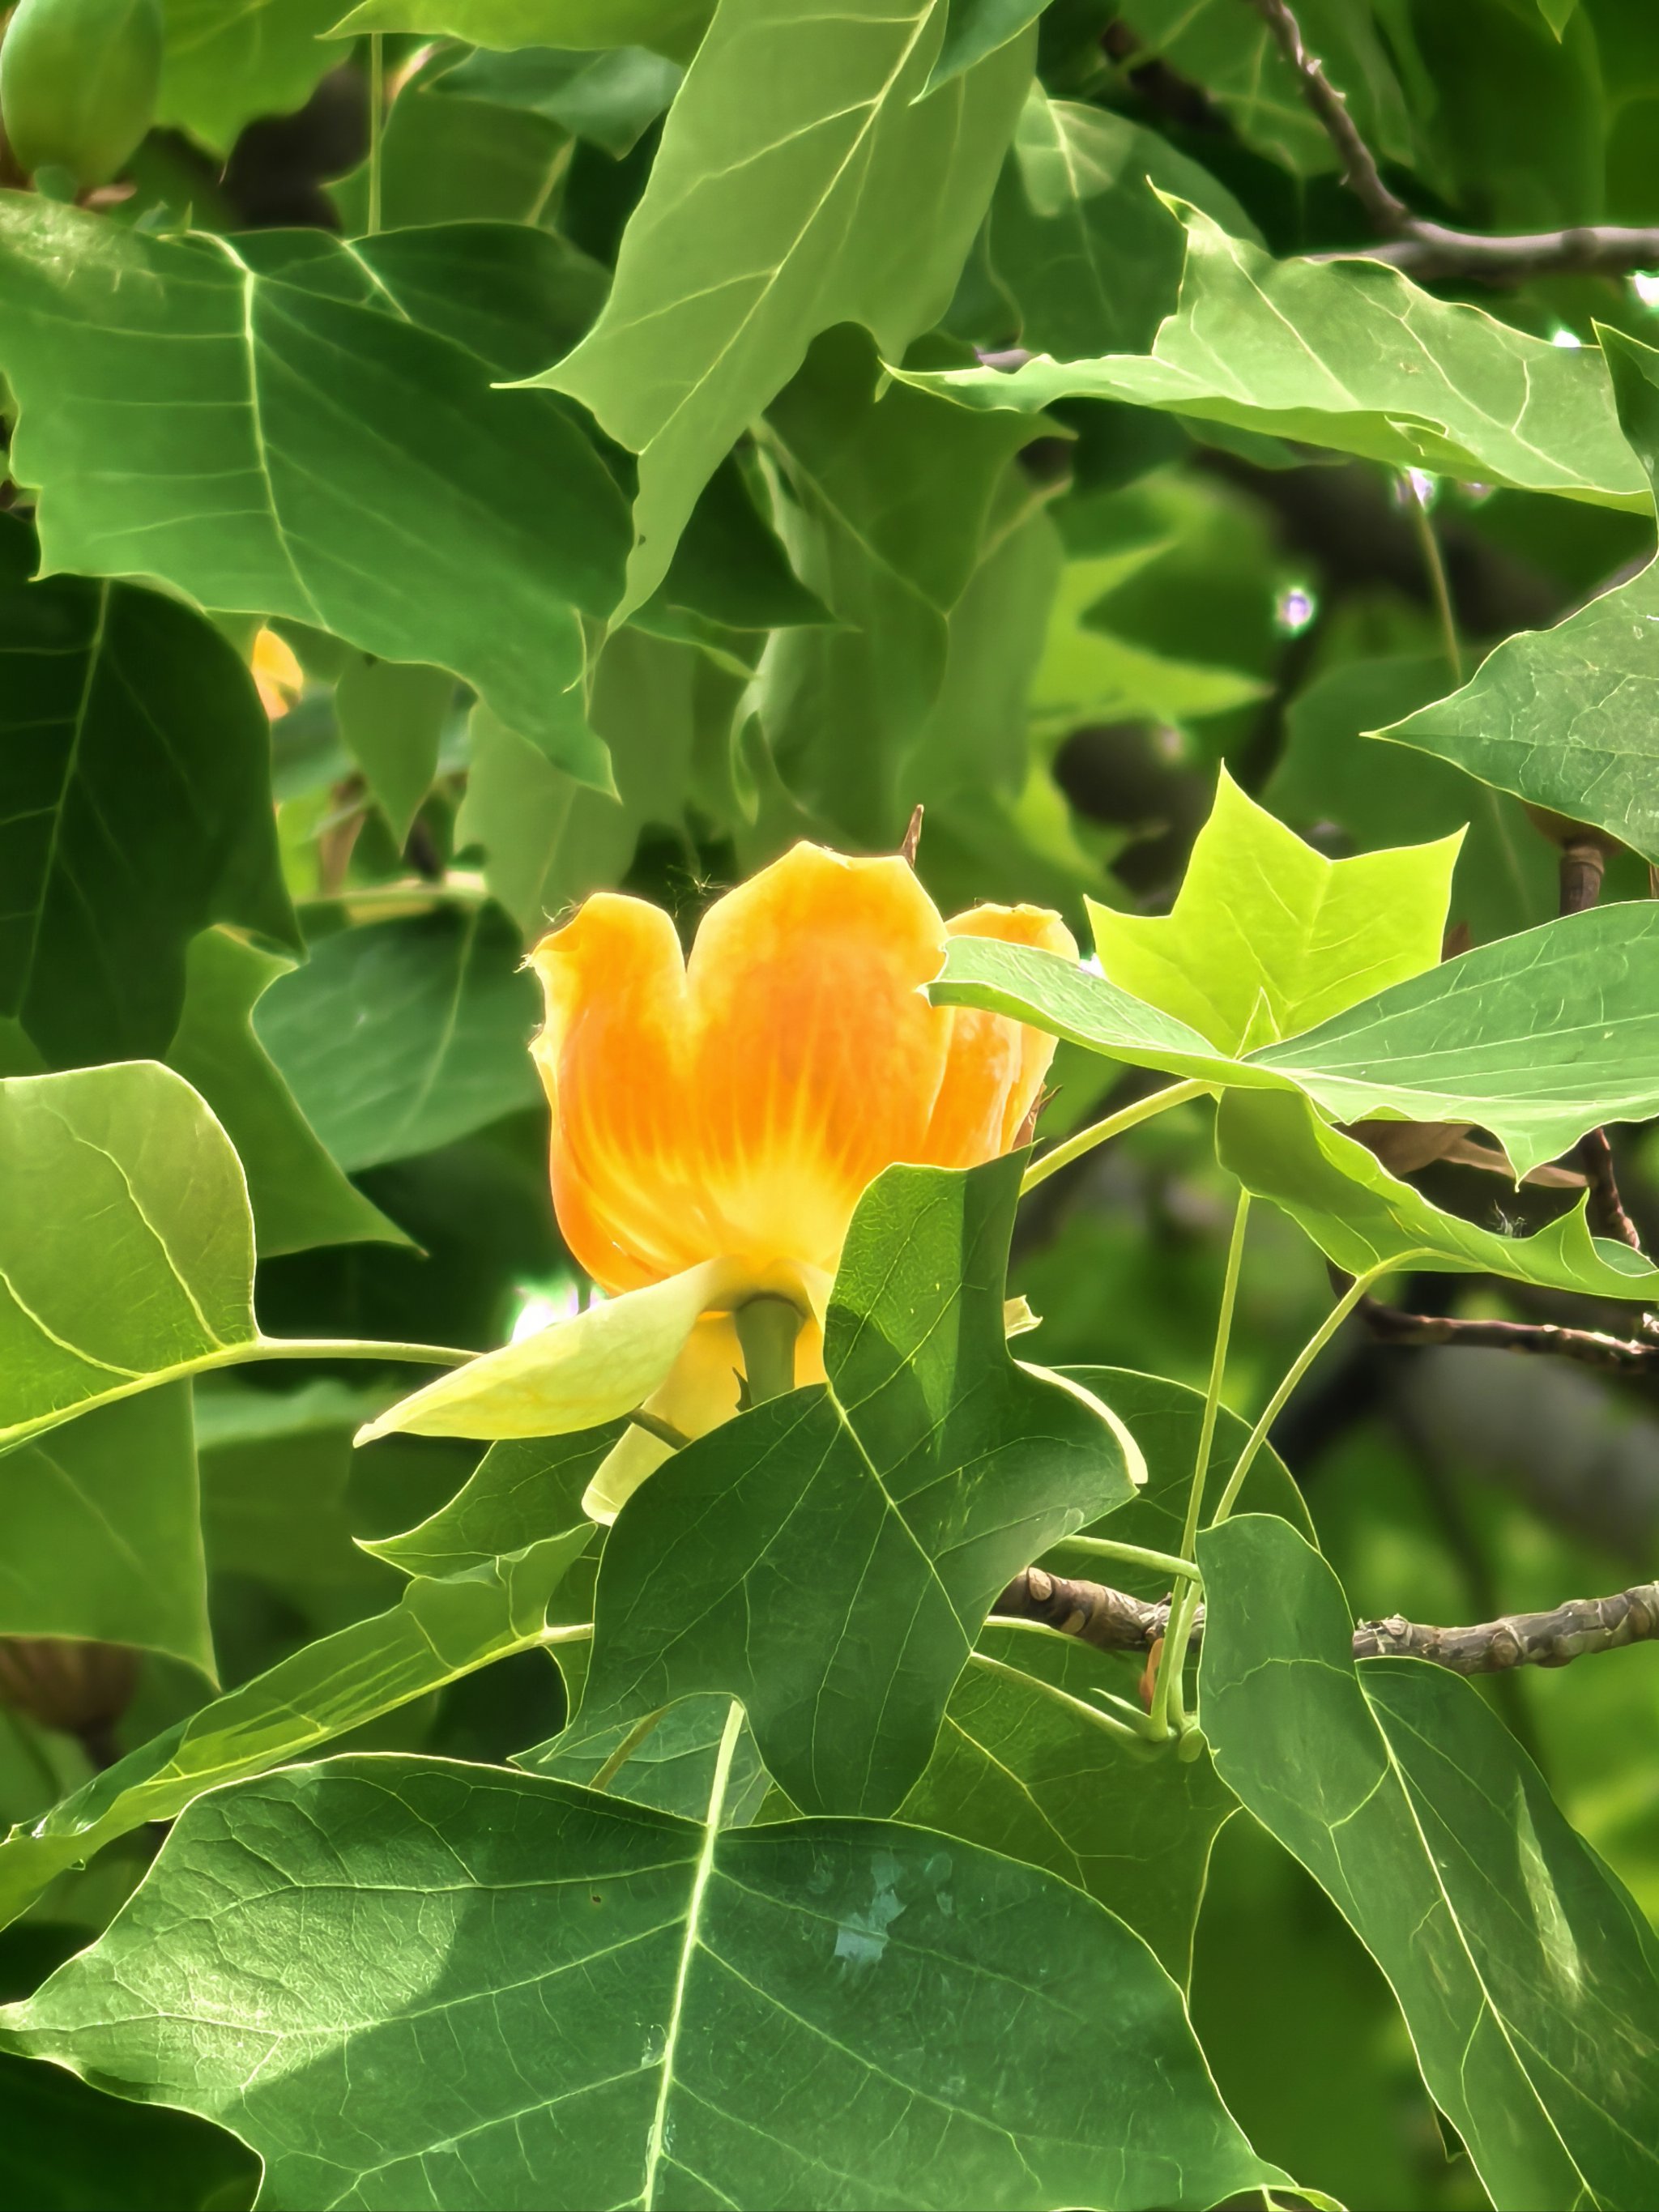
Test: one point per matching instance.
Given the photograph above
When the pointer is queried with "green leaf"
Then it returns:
(515, 1494)
(398, 1036)
(885, 506)
(547, 839)
(451, 161)
(974, 28)
(670, 27)
(1525, 1973)
(1267, 937)
(441, 1628)
(127, 1249)
(103, 1534)
(1353, 356)
(608, 1973)
(1562, 717)
(135, 807)
(222, 67)
(730, 568)
(828, 1557)
(672, 1766)
(300, 1197)
(1537, 1038)
(781, 201)
(391, 716)
(1361, 1217)
(463, 533)
(609, 98)
(1080, 244)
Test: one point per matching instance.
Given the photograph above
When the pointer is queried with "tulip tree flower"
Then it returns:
(277, 676)
(715, 1121)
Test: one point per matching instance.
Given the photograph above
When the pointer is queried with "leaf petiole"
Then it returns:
(1122, 1731)
(1132, 1555)
(1100, 1132)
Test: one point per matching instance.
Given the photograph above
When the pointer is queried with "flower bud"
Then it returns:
(78, 83)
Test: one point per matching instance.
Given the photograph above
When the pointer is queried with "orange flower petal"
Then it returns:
(995, 1067)
(277, 676)
(814, 1057)
(613, 1061)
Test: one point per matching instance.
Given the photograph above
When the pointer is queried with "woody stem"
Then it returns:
(767, 1330)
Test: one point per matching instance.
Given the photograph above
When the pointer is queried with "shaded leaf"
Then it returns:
(874, 1964)
(135, 807)
(1526, 1973)
(1353, 356)
(103, 1534)
(451, 161)
(611, 99)
(1267, 937)
(1361, 1217)
(672, 1767)
(974, 28)
(828, 1557)
(223, 66)
(464, 534)
(127, 1249)
(398, 1036)
(300, 1197)
(780, 202)
(391, 716)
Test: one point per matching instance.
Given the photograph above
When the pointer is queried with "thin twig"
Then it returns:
(1590, 1347)
(1425, 250)
(1112, 1620)
(1607, 1208)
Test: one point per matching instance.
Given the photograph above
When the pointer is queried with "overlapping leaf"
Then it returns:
(223, 66)
(126, 1247)
(444, 1626)
(135, 807)
(828, 1558)
(190, 409)
(1353, 356)
(918, 1999)
(1526, 1973)
(671, 26)
(782, 201)
(1537, 1038)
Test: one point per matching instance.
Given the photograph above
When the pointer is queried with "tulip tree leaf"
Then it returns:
(223, 66)
(1266, 934)
(103, 1531)
(443, 1627)
(135, 807)
(672, 1766)
(1526, 1973)
(609, 98)
(1537, 1038)
(450, 161)
(828, 1557)
(607, 1973)
(781, 201)
(126, 1247)
(1566, 717)
(391, 716)
(300, 1197)
(1353, 356)
(1079, 243)
(1361, 1217)
(974, 28)
(464, 533)
(398, 1036)
(670, 27)
(517, 1494)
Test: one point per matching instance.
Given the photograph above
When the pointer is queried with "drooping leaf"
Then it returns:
(300, 1197)
(1088, 256)
(1537, 1038)
(1267, 937)
(1564, 717)
(1526, 1973)
(1361, 1217)
(126, 1247)
(610, 98)
(391, 716)
(441, 1628)
(464, 534)
(103, 1531)
(222, 66)
(780, 204)
(1353, 356)
(398, 1036)
(669, 27)
(874, 1964)
(135, 807)
(828, 1557)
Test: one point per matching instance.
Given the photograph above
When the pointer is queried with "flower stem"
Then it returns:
(767, 1330)
(1098, 1132)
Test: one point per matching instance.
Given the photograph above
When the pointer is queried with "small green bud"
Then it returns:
(78, 83)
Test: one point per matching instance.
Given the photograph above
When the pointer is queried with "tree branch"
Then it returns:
(1426, 250)
(1618, 1354)
(1112, 1620)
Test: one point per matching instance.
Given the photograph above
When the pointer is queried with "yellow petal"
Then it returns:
(277, 676)
(995, 1067)
(572, 1376)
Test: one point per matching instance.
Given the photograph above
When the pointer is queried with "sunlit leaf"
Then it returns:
(1526, 1973)
(671, 26)
(611, 98)
(875, 1966)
